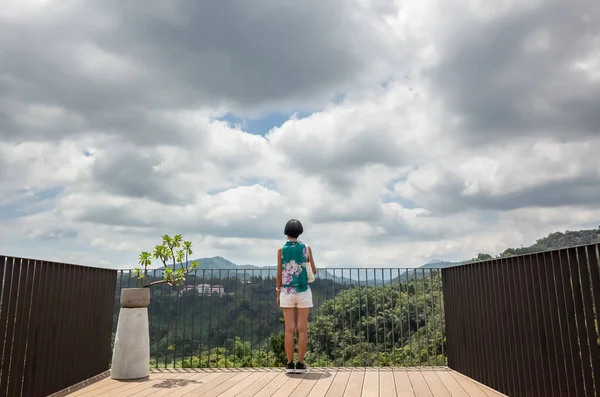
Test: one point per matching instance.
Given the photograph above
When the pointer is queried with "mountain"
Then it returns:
(355, 275)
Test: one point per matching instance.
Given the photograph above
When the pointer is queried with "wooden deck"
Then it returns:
(317, 382)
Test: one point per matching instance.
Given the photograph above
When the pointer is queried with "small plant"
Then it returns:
(173, 249)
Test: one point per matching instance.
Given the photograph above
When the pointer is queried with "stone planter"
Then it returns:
(131, 354)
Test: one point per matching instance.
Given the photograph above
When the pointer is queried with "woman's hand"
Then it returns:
(278, 299)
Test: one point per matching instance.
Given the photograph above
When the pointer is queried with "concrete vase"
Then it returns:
(131, 354)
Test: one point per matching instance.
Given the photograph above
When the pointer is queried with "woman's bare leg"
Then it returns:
(288, 318)
(302, 337)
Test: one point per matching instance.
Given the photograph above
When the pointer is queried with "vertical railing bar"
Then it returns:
(446, 274)
(518, 330)
(425, 307)
(183, 296)
(254, 279)
(513, 364)
(580, 322)
(418, 328)
(383, 314)
(492, 309)
(537, 317)
(75, 324)
(226, 347)
(409, 339)
(32, 347)
(343, 325)
(360, 310)
(376, 312)
(5, 318)
(326, 333)
(442, 312)
(219, 327)
(201, 311)
(53, 380)
(567, 297)
(435, 310)
(245, 335)
(529, 342)
(40, 370)
(588, 316)
(466, 363)
(568, 387)
(164, 309)
(151, 316)
(334, 337)
(594, 272)
(176, 339)
(16, 359)
(108, 307)
(478, 323)
(3, 265)
(71, 323)
(497, 324)
(400, 317)
(556, 381)
(392, 315)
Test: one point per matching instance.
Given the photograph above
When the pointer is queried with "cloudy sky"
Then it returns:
(396, 131)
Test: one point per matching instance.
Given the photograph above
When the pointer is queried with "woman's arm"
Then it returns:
(278, 278)
(312, 261)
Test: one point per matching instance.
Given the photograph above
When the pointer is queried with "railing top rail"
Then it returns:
(57, 262)
(335, 269)
(526, 255)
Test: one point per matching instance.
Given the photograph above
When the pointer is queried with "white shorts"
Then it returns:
(301, 300)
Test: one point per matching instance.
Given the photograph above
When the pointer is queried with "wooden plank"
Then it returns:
(338, 386)
(403, 385)
(324, 384)
(371, 384)
(355, 383)
(387, 384)
(308, 384)
(261, 383)
(273, 386)
(453, 387)
(474, 388)
(204, 386)
(243, 385)
(118, 388)
(419, 384)
(168, 386)
(128, 388)
(228, 384)
(292, 383)
(436, 386)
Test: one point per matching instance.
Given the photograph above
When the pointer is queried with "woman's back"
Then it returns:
(294, 261)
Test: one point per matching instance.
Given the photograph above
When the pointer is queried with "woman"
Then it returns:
(293, 292)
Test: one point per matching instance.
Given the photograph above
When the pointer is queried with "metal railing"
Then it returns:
(361, 317)
(55, 325)
(527, 325)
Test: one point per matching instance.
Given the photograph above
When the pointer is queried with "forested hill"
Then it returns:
(558, 240)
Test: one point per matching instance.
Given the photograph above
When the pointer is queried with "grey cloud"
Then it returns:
(131, 173)
(55, 234)
(262, 228)
(447, 197)
(501, 89)
(180, 54)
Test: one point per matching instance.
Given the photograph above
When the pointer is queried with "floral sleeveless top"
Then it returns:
(293, 273)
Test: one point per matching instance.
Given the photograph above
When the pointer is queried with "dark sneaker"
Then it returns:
(290, 368)
(300, 368)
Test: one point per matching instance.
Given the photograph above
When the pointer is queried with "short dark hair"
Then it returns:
(293, 228)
